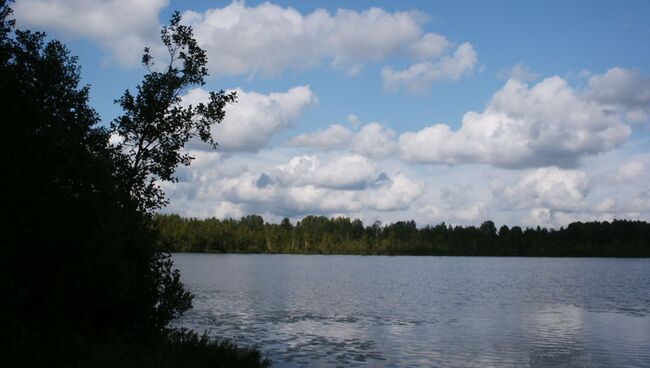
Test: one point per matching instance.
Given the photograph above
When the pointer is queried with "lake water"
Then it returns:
(374, 311)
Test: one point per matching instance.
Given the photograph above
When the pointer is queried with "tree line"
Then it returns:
(342, 235)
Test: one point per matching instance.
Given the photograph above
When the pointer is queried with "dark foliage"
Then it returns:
(317, 234)
(77, 250)
(78, 256)
(155, 126)
(176, 348)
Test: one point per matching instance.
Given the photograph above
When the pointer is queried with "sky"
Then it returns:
(524, 113)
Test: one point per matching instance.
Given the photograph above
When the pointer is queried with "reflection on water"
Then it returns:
(330, 311)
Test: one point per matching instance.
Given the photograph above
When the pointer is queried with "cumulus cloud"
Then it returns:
(335, 183)
(255, 118)
(391, 194)
(372, 140)
(312, 188)
(547, 124)
(268, 39)
(548, 187)
(333, 137)
(343, 172)
(430, 46)
(624, 89)
(631, 170)
(345, 184)
(287, 200)
(264, 39)
(555, 197)
(375, 140)
(123, 28)
(540, 216)
(421, 76)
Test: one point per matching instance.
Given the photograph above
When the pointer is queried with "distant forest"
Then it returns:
(341, 235)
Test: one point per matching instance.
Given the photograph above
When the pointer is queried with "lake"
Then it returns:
(378, 311)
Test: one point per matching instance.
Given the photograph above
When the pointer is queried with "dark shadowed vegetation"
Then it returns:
(83, 281)
(340, 235)
(176, 348)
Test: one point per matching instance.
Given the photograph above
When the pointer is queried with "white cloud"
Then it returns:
(255, 118)
(304, 186)
(555, 197)
(548, 187)
(345, 184)
(121, 27)
(540, 216)
(336, 183)
(375, 140)
(396, 193)
(430, 46)
(631, 170)
(267, 39)
(342, 172)
(625, 89)
(419, 77)
(372, 140)
(264, 39)
(474, 213)
(115, 139)
(333, 137)
(549, 123)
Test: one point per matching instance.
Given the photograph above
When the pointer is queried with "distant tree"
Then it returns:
(341, 235)
(488, 228)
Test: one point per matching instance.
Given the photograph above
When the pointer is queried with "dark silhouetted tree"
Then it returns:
(78, 250)
(155, 125)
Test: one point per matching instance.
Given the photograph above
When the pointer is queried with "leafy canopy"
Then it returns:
(78, 249)
(156, 125)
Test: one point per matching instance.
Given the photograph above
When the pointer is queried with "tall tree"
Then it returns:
(155, 125)
(77, 246)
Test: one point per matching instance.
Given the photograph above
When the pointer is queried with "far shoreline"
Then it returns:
(406, 255)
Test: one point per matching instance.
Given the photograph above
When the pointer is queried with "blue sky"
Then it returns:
(460, 111)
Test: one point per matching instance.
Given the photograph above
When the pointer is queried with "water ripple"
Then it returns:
(425, 311)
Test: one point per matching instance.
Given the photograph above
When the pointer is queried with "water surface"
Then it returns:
(374, 311)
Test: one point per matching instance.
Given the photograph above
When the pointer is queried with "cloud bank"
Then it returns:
(268, 39)
(265, 39)
(547, 124)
